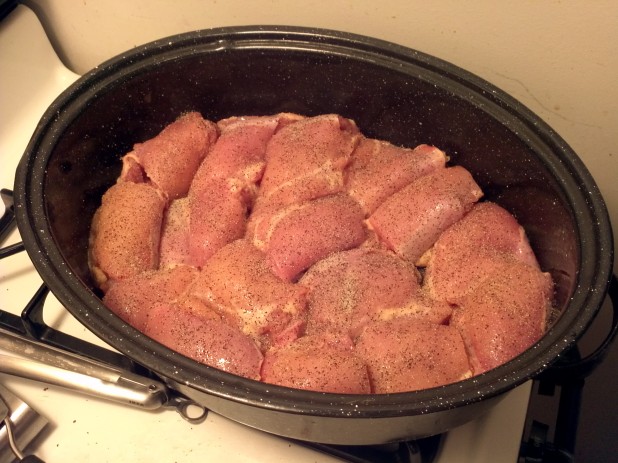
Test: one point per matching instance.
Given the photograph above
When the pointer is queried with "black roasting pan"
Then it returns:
(392, 93)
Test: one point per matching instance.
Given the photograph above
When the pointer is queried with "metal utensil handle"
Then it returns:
(567, 369)
(30, 359)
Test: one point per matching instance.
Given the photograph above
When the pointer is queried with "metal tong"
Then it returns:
(27, 358)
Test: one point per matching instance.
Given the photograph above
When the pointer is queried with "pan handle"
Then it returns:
(571, 366)
(570, 373)
(7, 224)
(26, 358)
(7, 220)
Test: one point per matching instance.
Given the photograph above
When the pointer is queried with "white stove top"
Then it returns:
(88, 429)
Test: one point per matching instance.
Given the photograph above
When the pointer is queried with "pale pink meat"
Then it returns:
(504, 316)
(411, 220)
(405, 354)
(133, 298)
(316, 363)
(421, 307)
(237, 282)
(306, 233)
(170, 159)
(217, 216)
(238, 153)
(379, 169)
(125, 232)
(472, 250)
(225, 185)
(348, 289)
(174, 248)
(206, 339)
(306, 159)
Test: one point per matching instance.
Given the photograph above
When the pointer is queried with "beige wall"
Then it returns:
(560, 58)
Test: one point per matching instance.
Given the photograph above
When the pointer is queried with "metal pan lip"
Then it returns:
(591, 217)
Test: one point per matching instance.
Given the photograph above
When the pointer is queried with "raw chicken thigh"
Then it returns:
(305, 160)
(226, 183)
(238, 283)
(469, 251)
(349, 289)
(306, 233)
(484, 266)
(379, 169)
(317, 363)
(207, 339)
(169, 160)
(126, 232)
(503, 316)
(411, 220)
(405, 354)
(132, 298)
